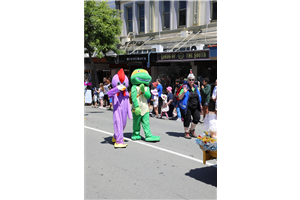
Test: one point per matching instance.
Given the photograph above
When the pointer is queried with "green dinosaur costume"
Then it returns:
(140, 92)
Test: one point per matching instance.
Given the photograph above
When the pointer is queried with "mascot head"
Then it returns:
(120, 78)
(140, 76)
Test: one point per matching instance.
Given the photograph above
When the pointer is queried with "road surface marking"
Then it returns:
(155, 147)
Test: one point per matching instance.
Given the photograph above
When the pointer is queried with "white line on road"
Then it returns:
(155, 147)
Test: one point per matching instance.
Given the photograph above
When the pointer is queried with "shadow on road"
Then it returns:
(206, 175)
(175, 134)
(96, 112)
(107, 140)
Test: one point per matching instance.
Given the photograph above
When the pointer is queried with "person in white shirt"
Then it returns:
(154, 92)
(214, 97)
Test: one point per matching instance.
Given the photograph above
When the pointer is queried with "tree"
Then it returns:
(102, 27)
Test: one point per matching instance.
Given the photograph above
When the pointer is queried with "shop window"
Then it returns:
(166, 15)
(182, 13)
(141, 18)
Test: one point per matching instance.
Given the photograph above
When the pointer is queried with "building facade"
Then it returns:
(167, 38)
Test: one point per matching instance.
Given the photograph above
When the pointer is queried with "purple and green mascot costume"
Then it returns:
(121, 106)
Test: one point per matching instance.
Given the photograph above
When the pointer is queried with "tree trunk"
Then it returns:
(95, 81)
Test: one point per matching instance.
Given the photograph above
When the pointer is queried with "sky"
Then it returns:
(112, 3)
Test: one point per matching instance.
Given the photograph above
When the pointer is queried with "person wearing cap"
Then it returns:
(190, 105)
(170, 102)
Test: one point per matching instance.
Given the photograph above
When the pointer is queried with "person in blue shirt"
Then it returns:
(159, 89)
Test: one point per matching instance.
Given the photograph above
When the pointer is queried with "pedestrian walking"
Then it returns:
(95, 96)
(88, 94)
(190, 100)
(155, 101)
(101, 94)
(105, 99)
(206, 91)
(154, 93)
(176, 104)
(110, 99)
(159, 89)
(170, 100)
(165, 106)
(214, 97)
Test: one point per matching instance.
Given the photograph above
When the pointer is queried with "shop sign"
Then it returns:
(183, 56)
(98, 60)
(133, 58)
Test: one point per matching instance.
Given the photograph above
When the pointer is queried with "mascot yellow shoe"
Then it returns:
(120, 145)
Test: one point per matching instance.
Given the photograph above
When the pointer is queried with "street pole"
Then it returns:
(148, 63)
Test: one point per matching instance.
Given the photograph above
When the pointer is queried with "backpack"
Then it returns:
(177, 92)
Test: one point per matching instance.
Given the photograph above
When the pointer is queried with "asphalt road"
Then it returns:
(169, 169)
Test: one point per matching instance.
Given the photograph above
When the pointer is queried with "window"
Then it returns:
(129, 19)
(166, 15)
(151, 17)
(214, 10)
(141, 18)
(182, 13)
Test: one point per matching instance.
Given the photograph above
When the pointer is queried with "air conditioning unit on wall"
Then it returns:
(184, 33)
(195, 47)
(157, 48)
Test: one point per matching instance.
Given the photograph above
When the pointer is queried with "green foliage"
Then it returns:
(102, 27)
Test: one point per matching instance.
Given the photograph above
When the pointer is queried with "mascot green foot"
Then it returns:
(152, 139)
(136, 136)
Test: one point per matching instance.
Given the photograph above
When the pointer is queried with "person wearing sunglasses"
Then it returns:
(190, 106)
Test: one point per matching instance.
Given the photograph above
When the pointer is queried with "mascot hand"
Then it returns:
(142, 88)
(137, 111)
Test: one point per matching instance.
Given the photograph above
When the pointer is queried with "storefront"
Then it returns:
(177, 65)
(132, 62)
(101, 68)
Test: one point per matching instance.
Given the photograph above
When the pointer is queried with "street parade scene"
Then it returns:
(150, 100)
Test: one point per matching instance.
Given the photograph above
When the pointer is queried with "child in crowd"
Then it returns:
(165, 107)
(100, 92)
(154, 93)
(95, 97)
